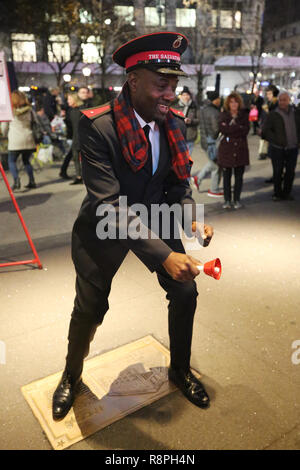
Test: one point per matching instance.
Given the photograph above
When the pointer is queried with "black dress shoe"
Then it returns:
(64, 396)
(270, 180)
(64, 175)
(31, 185)
(190, 386)
(77, 181)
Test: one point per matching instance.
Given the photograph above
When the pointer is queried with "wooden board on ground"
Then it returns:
(115, 384)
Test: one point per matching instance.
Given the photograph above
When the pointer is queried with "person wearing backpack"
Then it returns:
(20, 138)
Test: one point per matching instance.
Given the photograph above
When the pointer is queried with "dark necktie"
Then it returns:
(148, 164)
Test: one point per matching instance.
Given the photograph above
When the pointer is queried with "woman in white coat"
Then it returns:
(20, 138)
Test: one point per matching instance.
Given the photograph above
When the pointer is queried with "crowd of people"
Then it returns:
(51, 119)
(223, 135)
(223, 128)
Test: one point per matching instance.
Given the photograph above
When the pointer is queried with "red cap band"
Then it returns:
(152, 57)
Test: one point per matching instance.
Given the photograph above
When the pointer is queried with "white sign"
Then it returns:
(5, 102)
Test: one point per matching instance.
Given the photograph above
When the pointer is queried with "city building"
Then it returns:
(215, 28)
(281, 29)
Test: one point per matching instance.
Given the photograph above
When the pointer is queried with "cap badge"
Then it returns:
(177, 42)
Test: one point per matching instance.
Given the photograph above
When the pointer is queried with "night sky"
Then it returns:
(280, 12)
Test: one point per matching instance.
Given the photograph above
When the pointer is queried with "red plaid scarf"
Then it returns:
(134, 143)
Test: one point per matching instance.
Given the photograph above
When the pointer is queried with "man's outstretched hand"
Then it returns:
(203, 232)
(181, 267)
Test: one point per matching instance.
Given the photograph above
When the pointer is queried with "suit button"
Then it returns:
(234, 154)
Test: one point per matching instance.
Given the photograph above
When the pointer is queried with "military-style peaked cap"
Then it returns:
(160, 52)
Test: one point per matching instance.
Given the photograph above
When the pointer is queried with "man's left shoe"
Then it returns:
(190, 386)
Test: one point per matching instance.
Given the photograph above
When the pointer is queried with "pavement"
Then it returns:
(246, 327)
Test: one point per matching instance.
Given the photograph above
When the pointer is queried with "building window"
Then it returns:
(226, 19)
(238, 19)
(90, 50)
(283, 34)
(152, 18)
(125, 12)
(59, 48)
(85, 16)
(214, 18)
(23, 47)
(186, 17)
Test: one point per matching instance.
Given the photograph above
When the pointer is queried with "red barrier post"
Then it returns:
(36, 260)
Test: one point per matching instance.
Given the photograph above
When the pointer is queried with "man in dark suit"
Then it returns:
(134, 148)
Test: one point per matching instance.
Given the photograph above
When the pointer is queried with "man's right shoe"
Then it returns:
(269, 180)
(64, 396)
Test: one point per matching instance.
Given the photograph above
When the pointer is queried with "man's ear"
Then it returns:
(132, 80)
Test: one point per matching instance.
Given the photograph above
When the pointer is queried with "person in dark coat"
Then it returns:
(282, 130)
(134, 148)
(84, 95)
(188, 107)
(76, 105)
(49, 102)
(233, 153)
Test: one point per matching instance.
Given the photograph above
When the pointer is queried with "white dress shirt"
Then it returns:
(153, 137)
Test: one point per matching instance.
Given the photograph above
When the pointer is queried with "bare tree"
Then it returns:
(113, 29)
(252, 45)
(201, 39)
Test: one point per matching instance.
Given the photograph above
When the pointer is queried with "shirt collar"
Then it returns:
(143, 123)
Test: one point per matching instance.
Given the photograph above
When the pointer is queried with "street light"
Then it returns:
(280, 55)
(86, 72)
(67, 78)
(160, 9)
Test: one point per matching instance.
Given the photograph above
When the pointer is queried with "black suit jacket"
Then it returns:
(107, 176)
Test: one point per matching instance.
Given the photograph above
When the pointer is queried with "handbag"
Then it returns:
(45, 154)
(36, 128)
(253, 115)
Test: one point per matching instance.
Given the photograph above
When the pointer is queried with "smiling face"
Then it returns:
(152, 93)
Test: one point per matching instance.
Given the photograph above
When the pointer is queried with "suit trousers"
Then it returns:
(91, 304)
